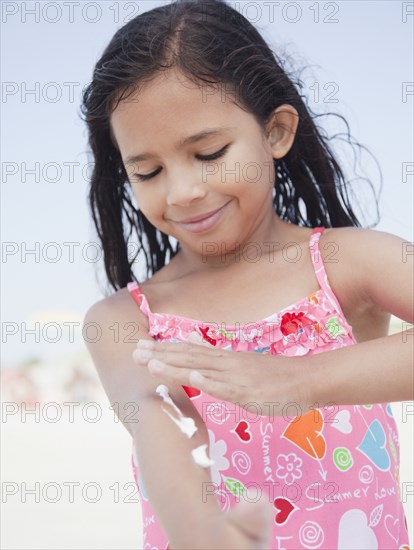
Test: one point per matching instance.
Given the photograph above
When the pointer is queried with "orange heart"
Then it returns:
(306, 432)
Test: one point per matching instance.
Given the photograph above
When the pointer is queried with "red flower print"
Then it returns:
(206, 337)
(292, 322)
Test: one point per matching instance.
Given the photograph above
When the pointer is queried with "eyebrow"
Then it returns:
(182, 143)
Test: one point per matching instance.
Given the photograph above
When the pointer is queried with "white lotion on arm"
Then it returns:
(187, 426)
(185, 423)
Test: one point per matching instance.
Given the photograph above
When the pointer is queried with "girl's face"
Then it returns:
(155, 125)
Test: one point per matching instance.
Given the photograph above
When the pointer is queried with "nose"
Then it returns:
(183, 190)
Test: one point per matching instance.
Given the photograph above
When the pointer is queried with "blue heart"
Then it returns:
(389, 410)
(372, 446)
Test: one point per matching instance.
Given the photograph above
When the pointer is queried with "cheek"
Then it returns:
(249, 171)
(153, 208)
(145, 199)
(257, 168)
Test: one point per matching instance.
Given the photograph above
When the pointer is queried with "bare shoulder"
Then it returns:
(355, 248)
(119, 307)
(112, 326)
(370, 267)
(361, 239)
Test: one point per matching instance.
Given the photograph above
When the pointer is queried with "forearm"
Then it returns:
(175, 484)
(376, 371)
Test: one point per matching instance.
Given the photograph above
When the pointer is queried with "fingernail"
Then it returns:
(147, 344)
(196, 378)
(143, 354)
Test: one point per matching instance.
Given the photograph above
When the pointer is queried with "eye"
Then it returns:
(201, 158)
(214, 156)
(148, 176)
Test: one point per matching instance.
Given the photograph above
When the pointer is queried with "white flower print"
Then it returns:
(289, 467)
(217, 451)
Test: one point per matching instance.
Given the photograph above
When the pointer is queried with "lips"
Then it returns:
(202, 216)
(206, 223)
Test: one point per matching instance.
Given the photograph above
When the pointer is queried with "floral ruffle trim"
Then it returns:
(292, 332)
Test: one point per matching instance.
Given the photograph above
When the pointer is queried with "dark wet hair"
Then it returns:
(210, 43)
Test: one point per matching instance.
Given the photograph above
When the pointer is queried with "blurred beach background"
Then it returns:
(66, 472)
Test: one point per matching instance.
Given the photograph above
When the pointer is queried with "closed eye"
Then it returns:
(201, 158)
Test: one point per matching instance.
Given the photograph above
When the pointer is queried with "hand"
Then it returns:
(269, 381)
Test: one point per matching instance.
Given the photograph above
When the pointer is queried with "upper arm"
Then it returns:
(115, 325)
(382, 270)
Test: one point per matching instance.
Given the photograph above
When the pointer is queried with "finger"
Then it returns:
(189, 359)
(178, 375)
(216, 388)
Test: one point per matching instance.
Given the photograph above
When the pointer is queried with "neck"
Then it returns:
(267, 238)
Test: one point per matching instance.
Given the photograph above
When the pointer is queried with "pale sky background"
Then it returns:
(367, 54)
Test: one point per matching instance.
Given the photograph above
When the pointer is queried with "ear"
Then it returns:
(281, 130)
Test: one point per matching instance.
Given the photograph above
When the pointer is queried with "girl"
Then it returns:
(269, 318)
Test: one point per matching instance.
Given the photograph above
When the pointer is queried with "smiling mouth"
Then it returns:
(202, 216)
(207, 223)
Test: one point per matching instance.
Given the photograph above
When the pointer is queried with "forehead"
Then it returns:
(172, 105)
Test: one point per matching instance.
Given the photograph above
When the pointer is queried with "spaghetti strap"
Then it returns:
(321, 275)
(318, 266)
(139, 298)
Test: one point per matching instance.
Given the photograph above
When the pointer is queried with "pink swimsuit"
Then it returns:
(330, 474)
